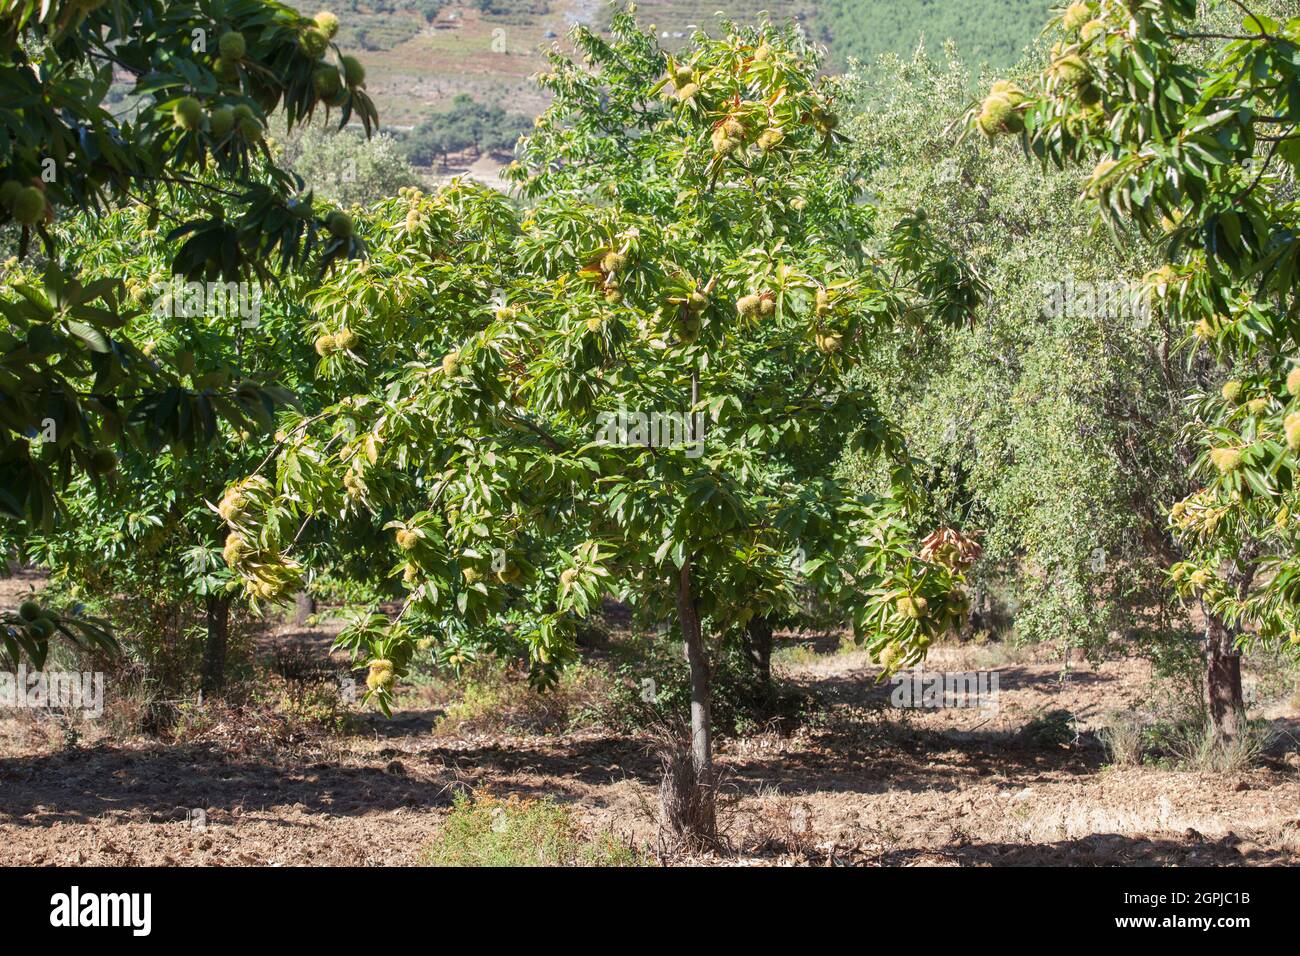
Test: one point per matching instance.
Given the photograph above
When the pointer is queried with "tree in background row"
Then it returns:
(1056, 423)
(205, 77)
(465, 124)
(1197, 150)
(345, 168)
(144, 550)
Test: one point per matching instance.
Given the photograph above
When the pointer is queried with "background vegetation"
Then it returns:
(993, 34)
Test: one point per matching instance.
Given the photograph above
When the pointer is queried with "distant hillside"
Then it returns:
(419, 54)
(990, 32)
(674, 20)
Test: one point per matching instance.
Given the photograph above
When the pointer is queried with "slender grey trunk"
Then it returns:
(980, 616)
(758, 647)
(688, 792)
(702, 822)
(304, 606)
(213, 677)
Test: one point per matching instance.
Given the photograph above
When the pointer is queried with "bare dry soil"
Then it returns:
(864, 785)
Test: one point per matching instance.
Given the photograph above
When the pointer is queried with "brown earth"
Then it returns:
(866, 784)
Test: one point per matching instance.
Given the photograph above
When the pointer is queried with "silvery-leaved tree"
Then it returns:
(1191, 118)
(1064, 400)
(634, 389)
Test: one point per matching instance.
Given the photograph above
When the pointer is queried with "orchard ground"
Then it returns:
(861, 783)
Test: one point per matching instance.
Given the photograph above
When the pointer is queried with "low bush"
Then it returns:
(493, 697)
(1194, 745)
(487, 831)
(1053, 729)
(1123, 736)
(650, 688)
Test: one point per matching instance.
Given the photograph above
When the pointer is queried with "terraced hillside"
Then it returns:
(675, 19)
(421, 53)
(418, 59)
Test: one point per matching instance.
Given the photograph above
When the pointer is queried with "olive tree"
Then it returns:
(1055, 423)
(1190, 118)
(344, 167)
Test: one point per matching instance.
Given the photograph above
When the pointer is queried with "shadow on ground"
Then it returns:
(1098, 849)
(82, 785)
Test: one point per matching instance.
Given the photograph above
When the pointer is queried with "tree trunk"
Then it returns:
(1223, 660)
(687, 793)
(697, 817)
(304, 606)
(213, 678)
(979, 614)
(1223, 680)
(758, 647)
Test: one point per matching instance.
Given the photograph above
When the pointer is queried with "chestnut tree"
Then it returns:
(634, 388)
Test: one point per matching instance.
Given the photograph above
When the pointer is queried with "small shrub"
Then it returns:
(652, 687)
(1123, 737)
(1194, 745)
(492, 698)
(304, 686)
(486, 831)
(1050, 730)
(1178, 668)
(316, 708)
